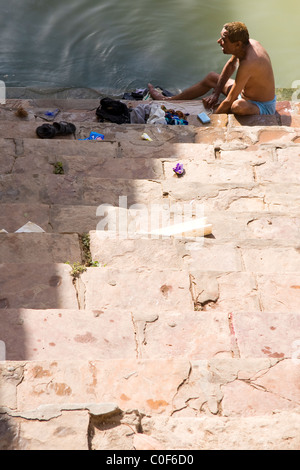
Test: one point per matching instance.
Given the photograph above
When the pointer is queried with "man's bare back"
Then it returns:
(252, 91)
(261, 84)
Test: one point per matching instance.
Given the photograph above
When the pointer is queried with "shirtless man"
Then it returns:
(252, 91)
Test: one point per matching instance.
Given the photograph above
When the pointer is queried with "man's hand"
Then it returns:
(211, 101)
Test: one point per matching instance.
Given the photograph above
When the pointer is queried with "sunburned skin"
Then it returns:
(254, 80)
(261, 84)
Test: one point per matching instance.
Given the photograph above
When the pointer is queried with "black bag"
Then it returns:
(113, 110)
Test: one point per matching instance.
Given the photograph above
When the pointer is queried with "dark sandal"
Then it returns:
(64, 128)
(46, 131)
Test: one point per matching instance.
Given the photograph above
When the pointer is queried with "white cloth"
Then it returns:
(147, 114)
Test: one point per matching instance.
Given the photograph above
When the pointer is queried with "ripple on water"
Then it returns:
(117, 45)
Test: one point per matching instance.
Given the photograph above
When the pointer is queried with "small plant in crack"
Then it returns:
(86, 248)
(77, 269)
(87, 261)
(58, 168)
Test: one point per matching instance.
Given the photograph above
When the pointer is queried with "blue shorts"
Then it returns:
(265, 107)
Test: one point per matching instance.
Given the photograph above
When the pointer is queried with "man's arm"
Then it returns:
(242, 78)
(228, 70)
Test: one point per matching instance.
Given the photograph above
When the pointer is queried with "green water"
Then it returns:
(116, 46)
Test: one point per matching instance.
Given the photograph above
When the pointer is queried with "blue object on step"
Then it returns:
(204, 118)
(94, 136)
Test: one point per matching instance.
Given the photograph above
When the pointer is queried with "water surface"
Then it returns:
(120, 45)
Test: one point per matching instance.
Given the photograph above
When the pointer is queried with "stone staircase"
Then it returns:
(140, 342)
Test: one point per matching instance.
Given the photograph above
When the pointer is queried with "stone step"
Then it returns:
(262, 256)
(38, 103)
(23, 213)
(135, 289)
(173, 290)
(33, 335)
(43, 152)
(51, 285)
(26, 129)
(75, 190)
(222, 400)
(60, 218)
(160, 168)
(267, 432)
(233, 152)
(99, 166)
(238, 197)
(39, 248)
(51, 218)
(225, 225)
(52, 334)
(245, 291)
(209, 382)
(227, 433)
(37, 285)
(255, 225)
(64, 189)
(85, 109)
(202, 254)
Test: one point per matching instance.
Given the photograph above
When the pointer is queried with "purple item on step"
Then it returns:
(178, 169)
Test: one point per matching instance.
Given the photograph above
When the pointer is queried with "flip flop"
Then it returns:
(64, 128)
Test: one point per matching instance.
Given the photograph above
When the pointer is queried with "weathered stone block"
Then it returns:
(30, 285)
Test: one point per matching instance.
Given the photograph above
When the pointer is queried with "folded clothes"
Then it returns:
(147, 114)
(172, 119)
(140, 114)
(175, 117)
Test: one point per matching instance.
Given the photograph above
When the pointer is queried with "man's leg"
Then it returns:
(243, 107)
(195, 91)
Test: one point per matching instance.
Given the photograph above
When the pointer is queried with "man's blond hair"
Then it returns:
(237, 31)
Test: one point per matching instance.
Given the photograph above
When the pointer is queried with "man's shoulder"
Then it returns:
(256, 50)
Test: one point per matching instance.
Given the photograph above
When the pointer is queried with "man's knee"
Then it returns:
(211, 79)
(240, 107)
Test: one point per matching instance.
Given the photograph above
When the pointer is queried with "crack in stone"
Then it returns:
(251, 381)
(51, 411)
(209, 297)
(80, 291)
(182, 383)
(235, 347)
(140, 327)
(137, 352)
(261, 388)
(19, 147)
(260, 302)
